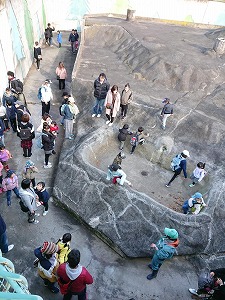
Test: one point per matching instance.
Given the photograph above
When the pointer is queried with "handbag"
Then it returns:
(109, 106)
(39, 57)
(57, 77)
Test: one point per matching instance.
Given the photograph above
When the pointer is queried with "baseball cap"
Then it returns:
(65, 94)
(165, 100)
(186, 152)
(171, 233)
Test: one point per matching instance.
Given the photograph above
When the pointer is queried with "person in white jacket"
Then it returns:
(198, 174)
(46, 96)
(117, 175)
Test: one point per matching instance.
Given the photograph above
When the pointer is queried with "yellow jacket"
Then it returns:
(64, 250)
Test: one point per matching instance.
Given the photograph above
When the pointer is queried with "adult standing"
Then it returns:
(16, 86)
(69, 111)
(164, 249)
(8, 96)
(101, 88)
(167, 111)
(48, 141)
(11, 114)
(126, 98)
(112, 104)
(75, 275)
(61, 75)
(46, 118)
(4, 118)
(49, 34)
(28, 197)
(46, 96)
(20, 111)
(26, 133)
(3, 237)
(37, 55)
(73, 39)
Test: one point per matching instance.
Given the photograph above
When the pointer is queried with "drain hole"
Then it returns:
(144, 173)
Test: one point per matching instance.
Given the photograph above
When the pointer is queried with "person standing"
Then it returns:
(37, 55)
(69, 110)
(179, 164)
(122, 136)
(48, 141)
(3, 117)
(61, 75)
(49, 34)
(112, 104)
(101, 88)
(16, 86)
(11, 114)
(198, 174)
(9, 184)
(26, 133)
(8, 96)
(46, 96)
(74, 276)
(126, 98)
(43, 196)
(65, 96)
(167, 111)
(73, 39)
(164, 249)
(29, 172)
(59, 38)
(4, 247)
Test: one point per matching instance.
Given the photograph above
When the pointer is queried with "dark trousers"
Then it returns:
(38, 63)
(47, 158)
(5, 122)
(4, 243)
(27, 152)
(124, 110)
(62, 84)
(110, 117)
(45, 108)
(81, 295)
(13, 124)
(133, 148)
(176, 173)
(45, 204)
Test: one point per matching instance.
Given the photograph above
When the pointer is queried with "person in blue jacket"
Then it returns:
(165, 249)
(3, 237)
(59, 38)
(43, 196)
(11, 114)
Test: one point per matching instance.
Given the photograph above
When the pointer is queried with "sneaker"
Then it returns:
(47, 166)
(191, 185)
(99, 115)
(129, 183)
(193, 291)
(35, 222)
(110, 124)
(45, 213)
(70, 138)
(94, 115)
(37, 215)
(168, 185)
(107, 122)
(53, 152)
(131, 153)
(10, 247)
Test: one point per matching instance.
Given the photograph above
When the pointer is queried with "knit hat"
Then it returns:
(49, 248)
(29, 164)
(171, 233)
(197, 195)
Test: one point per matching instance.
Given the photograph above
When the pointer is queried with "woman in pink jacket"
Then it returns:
(9, 184)
(61, 75)
(112, 104)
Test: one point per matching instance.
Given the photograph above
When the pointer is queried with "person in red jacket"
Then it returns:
(72, 277)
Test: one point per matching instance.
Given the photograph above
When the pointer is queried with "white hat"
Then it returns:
(186, 152)
(71, 99)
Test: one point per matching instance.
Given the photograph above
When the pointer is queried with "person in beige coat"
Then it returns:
(112, 104)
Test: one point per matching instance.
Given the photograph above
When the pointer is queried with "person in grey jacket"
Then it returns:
(69, 111)
(167, 111)
(28, 197)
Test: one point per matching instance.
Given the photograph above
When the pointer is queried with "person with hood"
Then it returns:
(179, 164)
(11, 114)
(101, 88)
(5, 155)
(8, 96)
(73, 278)
(126, 98)
(9, 184)
(28, 197)
(64, 247)
(122, 136)
(167, 111)
(25, 130)
(194, 204)
(37, 55)
(198, 174)
(47, 264)
(4, 247)
(69, 111)
(112, 104)
(29, 171)
(46, 96)
(116, 174)
(164, 249)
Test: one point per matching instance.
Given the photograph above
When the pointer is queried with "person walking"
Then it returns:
(49, 34)
(126, 98)
(179, 164)
(11, 114)
(138, 139)
(198, 174)
(69, 111)
(73, 276)
(26, 133)
(61, 75)
(48, 141)
(194, 204)
(59, 38)
(164, 249)
(46, 96)
(101, 88)
(9, 184)
(167, 111)
(73, 39)
(28, 198)
(37, 54)
(112, 104)
(122, 136)
(4, 247)
(29, 172)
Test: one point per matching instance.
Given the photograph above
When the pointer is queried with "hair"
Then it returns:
(183, 155)
(73, 258)
(102, 75)
(45, 116)
(10, 73)
(46, 126)
(7, 89)
(140, 129)
(125, 126)
(41, 183)
(73, 30)
(201, 165)
(49, 24)
(127, 85)
(48, 255)
(2, 147)
(36, 43)
(62, 64)
(54, 123)
(25, 118)
(66, 237)
(114, 88)
(25, 184)
(58, 31)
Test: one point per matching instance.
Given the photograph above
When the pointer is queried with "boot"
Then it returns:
(153, 275)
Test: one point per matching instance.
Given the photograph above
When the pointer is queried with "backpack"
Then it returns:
(39, 95)
(19, 87)
(134, 140)
(39, 141)
(25, 134)
(205, 280)
(175, 162)
(62, 107)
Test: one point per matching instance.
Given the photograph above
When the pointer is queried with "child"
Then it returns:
(59, 38)
(138, 139)
(5, 155)
(9, 184)
(123, 132)
(198, 174)
(64, 247)
(43, 196)
(54, 128)
(1, 168)
(194, 204)
(117, 175)
(29, 171)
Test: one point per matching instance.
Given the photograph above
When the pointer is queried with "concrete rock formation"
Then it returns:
(125, 218)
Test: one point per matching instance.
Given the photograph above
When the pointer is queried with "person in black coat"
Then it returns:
(37, 55)
(123, 132)
(3, 237)
(48, 141)
(11, 114)
(25, 130)
(101, 88)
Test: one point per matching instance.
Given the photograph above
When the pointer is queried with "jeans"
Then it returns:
(50, 41)
(27, 152)
(47, 158)
(97, 109)
(2, 139)
(4, 243)
(38, 63)
(81, 295)
(8, 195)
(124, 110)
(122, 145)
(73, 48)
(13, 124)
(156, 262)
